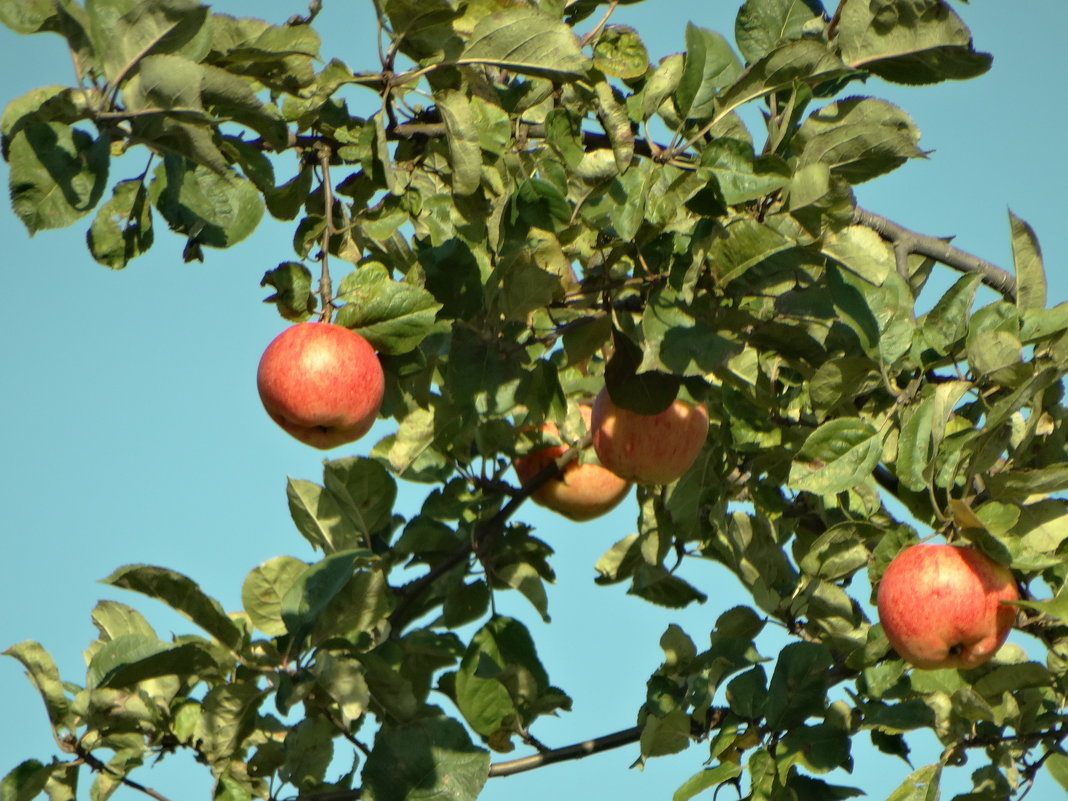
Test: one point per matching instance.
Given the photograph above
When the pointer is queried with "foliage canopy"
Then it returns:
(533, 211)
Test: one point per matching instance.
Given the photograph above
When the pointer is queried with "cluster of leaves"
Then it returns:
(529, 214)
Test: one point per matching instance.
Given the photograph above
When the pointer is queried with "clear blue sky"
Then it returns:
(130, 428)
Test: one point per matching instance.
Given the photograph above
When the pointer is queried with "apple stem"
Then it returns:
(325, 289)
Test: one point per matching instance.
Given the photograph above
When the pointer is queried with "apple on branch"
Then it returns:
(648, 448)
(942, 606)
(322, 383)
(582, 490)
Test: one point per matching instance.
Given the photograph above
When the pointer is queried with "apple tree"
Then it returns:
(530, 212)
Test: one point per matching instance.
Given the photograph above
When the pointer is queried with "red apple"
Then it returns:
(582, 491)
(322, 383)
(648, 448)
(941, 605)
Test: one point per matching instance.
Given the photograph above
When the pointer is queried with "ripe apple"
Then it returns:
(648, 448)
(582, 491)
(941, 605)
(322, 383)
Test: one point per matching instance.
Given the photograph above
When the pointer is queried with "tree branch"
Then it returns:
(907, 241)
(576, 751)
(402, 614)
(100, 766)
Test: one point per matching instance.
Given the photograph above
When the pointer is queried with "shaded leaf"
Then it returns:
(528, 41)
(762, 25)
(465, 151)
(907, 42)
(264, 588)
(57, 174)
(859, 138)
(42, 671)
(183, 595)
(619, 51)
(394, 316)
(710, 65)
(836, 456)
(1027, 257)
(431, 759)
(122, 229)
(211, 209)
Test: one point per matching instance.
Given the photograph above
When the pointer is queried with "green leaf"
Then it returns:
(431, 759)
(113, 619)
(947, 322)
(806, 60)
(211, 209)
(316, 587)
(798, 685)
(293, 294)
(529, 275)
(1056, 607)
(525, 578)
(27, 780)
(425, 30)
(42, 672)
(667, 734)
(836, 456)
(364, 490)
(762, 25)
(1057, 765)
(1027, 257)
(122, 229)
(344, 681)
(739, 175)
(859, 138)
(907, 42)
(662, 84)
(681, 340)
(51, 103)
(132, 658)
(462, 135)
(710, 65)
(28, 16)
(616, 122)
(528, 41)
(620, 52)
(707, 778)
(183, 595)
(394, 316)
(57, 174)
(746, 243)
(837, 553)
(319, 517)
(123, 33)
(920, 785)
(228, 716)
(264, 588)
(861, 250)
(501, 682)
(308, 749)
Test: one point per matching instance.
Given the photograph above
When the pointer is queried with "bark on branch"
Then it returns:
(576, 751)
(907, 241)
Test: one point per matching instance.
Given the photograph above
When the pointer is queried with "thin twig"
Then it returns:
(410, 593)
(326, 292)
(589, 37)
(98, 765)
(576, 751)
(940, 250)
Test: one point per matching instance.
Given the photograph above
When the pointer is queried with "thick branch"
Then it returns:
(940, 250)
(576, 751)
